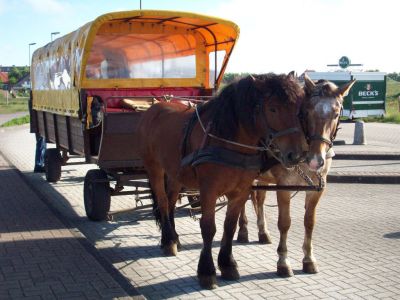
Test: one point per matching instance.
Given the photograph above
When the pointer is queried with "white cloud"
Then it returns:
(49, 6)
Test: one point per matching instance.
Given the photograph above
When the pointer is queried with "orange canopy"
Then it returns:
(129, 49)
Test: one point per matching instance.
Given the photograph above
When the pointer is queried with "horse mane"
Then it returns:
(240, 102)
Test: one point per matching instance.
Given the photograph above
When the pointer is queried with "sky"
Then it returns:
(275, 35)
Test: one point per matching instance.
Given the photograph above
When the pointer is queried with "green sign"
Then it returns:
(344, 62)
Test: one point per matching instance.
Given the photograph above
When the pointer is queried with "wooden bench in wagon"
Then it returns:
(90, 87)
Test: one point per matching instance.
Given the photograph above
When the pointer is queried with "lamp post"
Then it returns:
(29, 63)
(29, 58)
(54, 33)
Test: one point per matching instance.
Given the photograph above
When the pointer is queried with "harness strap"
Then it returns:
(226, 157)
(206, 132)
(321, 138)
(276, 134)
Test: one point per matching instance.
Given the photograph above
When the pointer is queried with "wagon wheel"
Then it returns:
(52, 165)
(96, 195)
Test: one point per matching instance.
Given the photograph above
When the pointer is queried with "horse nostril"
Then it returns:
(321, 162)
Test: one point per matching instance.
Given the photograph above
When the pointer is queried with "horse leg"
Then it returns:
(309, 261)
(283, 266)
(243, 233)
(161, 210)
(173, 189)
(226, 262)
(206, 270)
(263, 234)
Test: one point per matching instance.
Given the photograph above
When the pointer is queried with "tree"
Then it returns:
(394, 76)
(16, 73)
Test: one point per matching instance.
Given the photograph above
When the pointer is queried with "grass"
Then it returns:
(14, 104)
(17, 121)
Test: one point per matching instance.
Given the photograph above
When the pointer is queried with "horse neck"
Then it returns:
(242, 136)
(245, 137)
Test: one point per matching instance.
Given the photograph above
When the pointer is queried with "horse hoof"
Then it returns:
(243, 238)
(264, 238)
(229, 273)
(170, 250)
(310, 267)
(284, 272)
(208, 282)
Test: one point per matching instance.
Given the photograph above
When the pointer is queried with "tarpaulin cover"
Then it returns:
(131, 49)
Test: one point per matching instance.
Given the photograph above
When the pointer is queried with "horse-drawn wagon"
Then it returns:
(90, 87)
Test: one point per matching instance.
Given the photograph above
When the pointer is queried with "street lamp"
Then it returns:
(54, 33)
(29, 63)
(29, 58)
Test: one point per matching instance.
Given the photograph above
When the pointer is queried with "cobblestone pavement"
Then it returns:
(356, 240)
(40, 258)
(380, 138)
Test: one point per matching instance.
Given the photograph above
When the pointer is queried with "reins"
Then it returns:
(274, 134)
(207, 133)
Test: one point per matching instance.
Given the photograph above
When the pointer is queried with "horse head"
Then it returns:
(319, 114)
(276, 116)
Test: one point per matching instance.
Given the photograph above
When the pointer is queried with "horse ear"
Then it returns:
(309, 85)
(345, 89)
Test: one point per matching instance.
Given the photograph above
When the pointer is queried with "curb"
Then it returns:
(364, 179)
(367, 156)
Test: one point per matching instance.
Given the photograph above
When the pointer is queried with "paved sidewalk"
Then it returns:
(40, 258)
(381, 138)
(356, 239)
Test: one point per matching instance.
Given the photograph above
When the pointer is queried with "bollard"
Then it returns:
(359, 136)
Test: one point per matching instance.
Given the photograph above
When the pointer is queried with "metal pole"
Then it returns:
(140, 4)
(54, 33)
(29, 64)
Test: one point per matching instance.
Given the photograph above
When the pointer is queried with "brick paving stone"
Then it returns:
(356, 239)
(29, 268)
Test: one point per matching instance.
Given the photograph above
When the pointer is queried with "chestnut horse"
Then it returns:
(215, 148)
(319, 115)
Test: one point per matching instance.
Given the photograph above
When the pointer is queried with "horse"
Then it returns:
(319, 116)
(196, 148)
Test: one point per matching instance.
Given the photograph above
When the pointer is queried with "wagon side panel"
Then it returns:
(119, 144)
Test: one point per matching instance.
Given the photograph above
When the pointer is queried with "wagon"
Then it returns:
(91, 86)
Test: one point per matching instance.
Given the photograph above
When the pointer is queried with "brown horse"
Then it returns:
(215, 148)
(320, 118)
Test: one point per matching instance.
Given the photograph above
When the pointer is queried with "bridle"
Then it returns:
(317, 137)
(267, 142)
